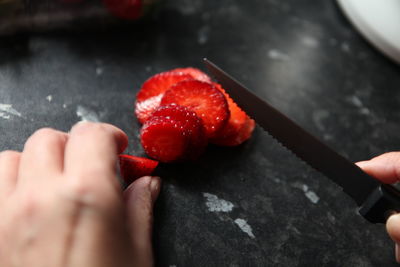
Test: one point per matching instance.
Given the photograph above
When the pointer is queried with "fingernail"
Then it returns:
(155, 187)
(361, 163)
(397, 252)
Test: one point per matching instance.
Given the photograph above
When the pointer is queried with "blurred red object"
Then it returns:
(125, 9)
(72, 1)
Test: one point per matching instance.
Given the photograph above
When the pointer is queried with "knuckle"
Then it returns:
(29, 207)
(44, 132)
(80, 192)
(87, 193)
(83, 128)
(9, 155)
(93, 129)
(46, 135)
(96, 172)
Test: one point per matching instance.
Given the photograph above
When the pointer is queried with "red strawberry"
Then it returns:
(160, 83)
(239, 137)
(144, 109)
(149, 96)
(125, 9)
(164, 139)
(133, 167)
(195, 73)
(191, 123)
(205, 99)
(232, 130)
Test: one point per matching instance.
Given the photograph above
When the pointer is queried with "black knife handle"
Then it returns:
(382, 203)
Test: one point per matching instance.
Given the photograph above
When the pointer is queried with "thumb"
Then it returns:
(139, 198)
(393, 229)
(385, 167)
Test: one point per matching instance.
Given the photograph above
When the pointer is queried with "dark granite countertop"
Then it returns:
(256, 204)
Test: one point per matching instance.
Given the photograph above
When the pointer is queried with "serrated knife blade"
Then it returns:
(376, 200)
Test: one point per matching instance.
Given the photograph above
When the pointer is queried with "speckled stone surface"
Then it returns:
(256, 204)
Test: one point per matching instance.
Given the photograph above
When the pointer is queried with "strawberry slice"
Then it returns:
(159, 83)
(191, 123)
(205, 99)
(239, 137)
(195, 73)
(164, 139)
(232, 134)
(144, 109)
(133, 167)
(149, 97)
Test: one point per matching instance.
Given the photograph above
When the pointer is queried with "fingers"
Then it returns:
(393, 228)
(9, 163)
(140, 197)
(91, 154)
(385, 167)
(43, 156)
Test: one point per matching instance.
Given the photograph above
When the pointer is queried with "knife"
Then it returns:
(376, 201)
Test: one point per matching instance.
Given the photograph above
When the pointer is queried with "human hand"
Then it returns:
(62, 205)
(386, 168)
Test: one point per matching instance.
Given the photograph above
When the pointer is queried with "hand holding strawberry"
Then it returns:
(61, 203)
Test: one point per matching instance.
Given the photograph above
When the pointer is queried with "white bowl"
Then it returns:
(378, 21)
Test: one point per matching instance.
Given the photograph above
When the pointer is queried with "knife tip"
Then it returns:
(208, 63)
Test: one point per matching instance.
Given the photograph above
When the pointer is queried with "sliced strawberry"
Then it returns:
(205, 99)
(133, 167)
(144, 109)
(191, 123)
(149, 97)
(236, 120)
(159, 83)
(195, 73)
(164, 139)
(125, 9)
(241, 136)
(234, 132)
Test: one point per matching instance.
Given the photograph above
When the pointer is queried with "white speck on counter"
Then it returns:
(277, 180)
(86, 114)
(345, 47)
(310, 42)
(331, 218)
(305, 187)
(99, 71)
(311, 195)
(6, 110)
(49, 98)
(356, 101)
(318, 117)
(64, 105)
(245, 227)
(216, 204)
(365, 111)
(277, 55)
(4, 115)
(202, 35)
